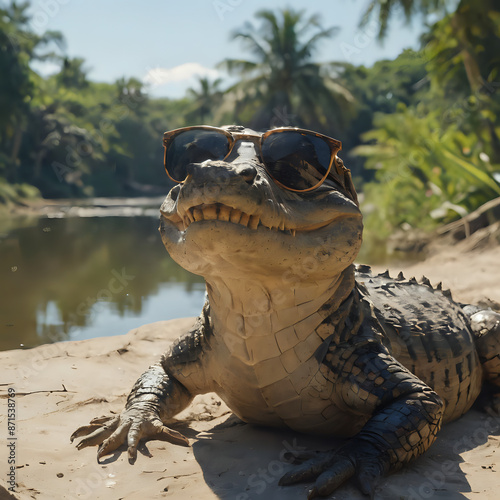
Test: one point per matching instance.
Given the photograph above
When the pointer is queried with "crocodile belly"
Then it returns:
(267, 394)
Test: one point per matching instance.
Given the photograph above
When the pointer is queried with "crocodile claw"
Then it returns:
(331, 469)
(493, 407)
(133, 425)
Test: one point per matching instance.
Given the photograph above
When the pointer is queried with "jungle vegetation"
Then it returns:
(421, 133)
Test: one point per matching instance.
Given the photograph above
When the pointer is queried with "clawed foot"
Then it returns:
(132, 426)
(489, 400)
(331, 469)
(492, 407)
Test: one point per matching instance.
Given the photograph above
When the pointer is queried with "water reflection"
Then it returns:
(87, 277)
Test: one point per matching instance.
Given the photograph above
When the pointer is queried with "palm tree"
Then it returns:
(283, 85)
(470, 35)
(205, 100)
(464, 46)
(464, 31)
(384, 9)
(73, 74)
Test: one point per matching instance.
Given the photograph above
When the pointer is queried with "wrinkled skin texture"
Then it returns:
(288, 337)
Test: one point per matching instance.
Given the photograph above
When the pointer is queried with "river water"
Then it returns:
(83, 277)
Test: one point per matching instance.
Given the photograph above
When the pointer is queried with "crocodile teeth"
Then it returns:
(216, 211)
(210, 212)
(176, 218)
(224, 213)
(235, 215)
(254, 222)
(197, 214)
(244, 219)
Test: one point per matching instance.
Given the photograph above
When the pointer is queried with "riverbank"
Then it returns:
(473, 276)
(85, 207)
(64, 385)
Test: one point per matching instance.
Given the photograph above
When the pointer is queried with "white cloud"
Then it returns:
(186, 72)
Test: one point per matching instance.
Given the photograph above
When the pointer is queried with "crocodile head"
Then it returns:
(229, 218)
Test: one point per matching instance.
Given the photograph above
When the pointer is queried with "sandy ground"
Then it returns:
(62, 386)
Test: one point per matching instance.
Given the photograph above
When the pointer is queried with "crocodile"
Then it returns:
(293, 334)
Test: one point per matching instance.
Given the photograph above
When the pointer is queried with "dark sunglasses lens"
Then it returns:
(298, 161)
(194, 146)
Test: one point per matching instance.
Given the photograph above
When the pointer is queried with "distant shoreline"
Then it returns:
(86, 207)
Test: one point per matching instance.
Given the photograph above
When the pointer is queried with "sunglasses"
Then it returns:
(296, 159)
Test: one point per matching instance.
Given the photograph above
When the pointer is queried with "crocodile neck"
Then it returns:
(276, 308)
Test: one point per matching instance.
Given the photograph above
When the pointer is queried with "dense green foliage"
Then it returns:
(421, 133)
(436, 154)
(67, 136)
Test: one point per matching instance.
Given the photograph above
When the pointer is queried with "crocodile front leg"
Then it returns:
(405, 418)
(154, 399)
(161, 392)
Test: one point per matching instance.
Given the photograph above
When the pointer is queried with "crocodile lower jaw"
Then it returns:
(220, 212)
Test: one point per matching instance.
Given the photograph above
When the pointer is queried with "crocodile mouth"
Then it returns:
(220, 212)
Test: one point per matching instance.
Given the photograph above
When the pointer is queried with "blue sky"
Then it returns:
(168, 43)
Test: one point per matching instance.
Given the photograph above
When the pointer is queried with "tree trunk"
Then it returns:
(16, 144)
(486, 215)
(37, 170)
(14, 155)
(471, 65)
(495, 142)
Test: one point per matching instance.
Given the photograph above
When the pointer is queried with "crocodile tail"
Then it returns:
(486, 327)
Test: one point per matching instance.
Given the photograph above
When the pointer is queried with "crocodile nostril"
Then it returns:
(248, 172)
(174, 192)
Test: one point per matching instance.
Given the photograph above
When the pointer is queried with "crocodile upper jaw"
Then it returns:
(225, 213)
